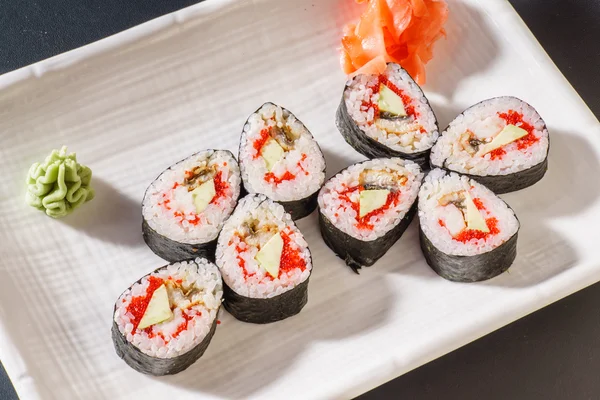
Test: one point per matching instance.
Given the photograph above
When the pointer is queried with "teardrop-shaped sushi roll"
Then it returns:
(281, 159)
(467, 233)
(164, 322)
(387, 115)
(501, 142)
(364, 209)
(185, 208)
(265, 262)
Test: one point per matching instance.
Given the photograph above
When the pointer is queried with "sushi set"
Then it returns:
(352, 227)
(467, 233)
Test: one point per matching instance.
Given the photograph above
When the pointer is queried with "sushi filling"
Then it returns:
(496, 137)
(171, 310)
(280, 157)
(462, 217)
(262, 254)
(190, 201)
(368, 199)
(391, 109)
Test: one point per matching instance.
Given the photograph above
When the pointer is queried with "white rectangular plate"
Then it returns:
(137, 102)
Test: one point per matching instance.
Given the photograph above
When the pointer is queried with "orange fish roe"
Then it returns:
(363, 223)
(408, 107)
(271, 178)
(300, 164)
(290, 257)
(260, 142)
(242, 262)
(183, 326)
(516, 118)
(468, 234)
(138, 304)
(478, 203)
(392, 200)
(221, 187)
(441, 223)
(151, 334)
(497, 154)
(195, 220)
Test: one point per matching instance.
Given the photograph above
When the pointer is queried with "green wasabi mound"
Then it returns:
(58, 185)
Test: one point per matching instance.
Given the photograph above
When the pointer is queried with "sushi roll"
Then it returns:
(281, 159)
(265, 262)
(467, 233)
(501, 142)
(164, 322)
(185, 208)
(364, 209)
(387, 115)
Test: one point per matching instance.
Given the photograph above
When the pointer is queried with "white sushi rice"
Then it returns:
(344, 217)
(200, 276)
(162, 201)
(309, 173)
(439, 183)
(359, 93)
(483, 121)
(256, 282)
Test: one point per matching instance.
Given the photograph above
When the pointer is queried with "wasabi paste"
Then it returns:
(58, 185)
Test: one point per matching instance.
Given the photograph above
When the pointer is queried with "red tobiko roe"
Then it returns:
(290, 258)
(221, 187)
(406, 100)
(271, 178)
(260, 142)
(516, 118)
(468, 234)
(138, 305)
(363, 223)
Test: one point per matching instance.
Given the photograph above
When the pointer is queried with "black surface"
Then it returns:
(551, 354)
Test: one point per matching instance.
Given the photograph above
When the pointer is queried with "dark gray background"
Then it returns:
(551, 354)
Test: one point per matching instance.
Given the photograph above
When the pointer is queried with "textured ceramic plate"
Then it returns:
(135, 103)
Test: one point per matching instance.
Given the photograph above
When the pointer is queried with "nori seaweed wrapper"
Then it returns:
(172, 250)
(296, 208)
(156, 366)
(300, 208)
(357, 253)
(474, 268)
(371, 148)
(501, 184)
(264, 311)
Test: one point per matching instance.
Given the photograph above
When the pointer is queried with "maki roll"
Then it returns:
(364, 209)
(164, 322)
(501, 142)
(265, 262)
(185, 208)
(281, 159)
(387, 115)
(467, 233)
